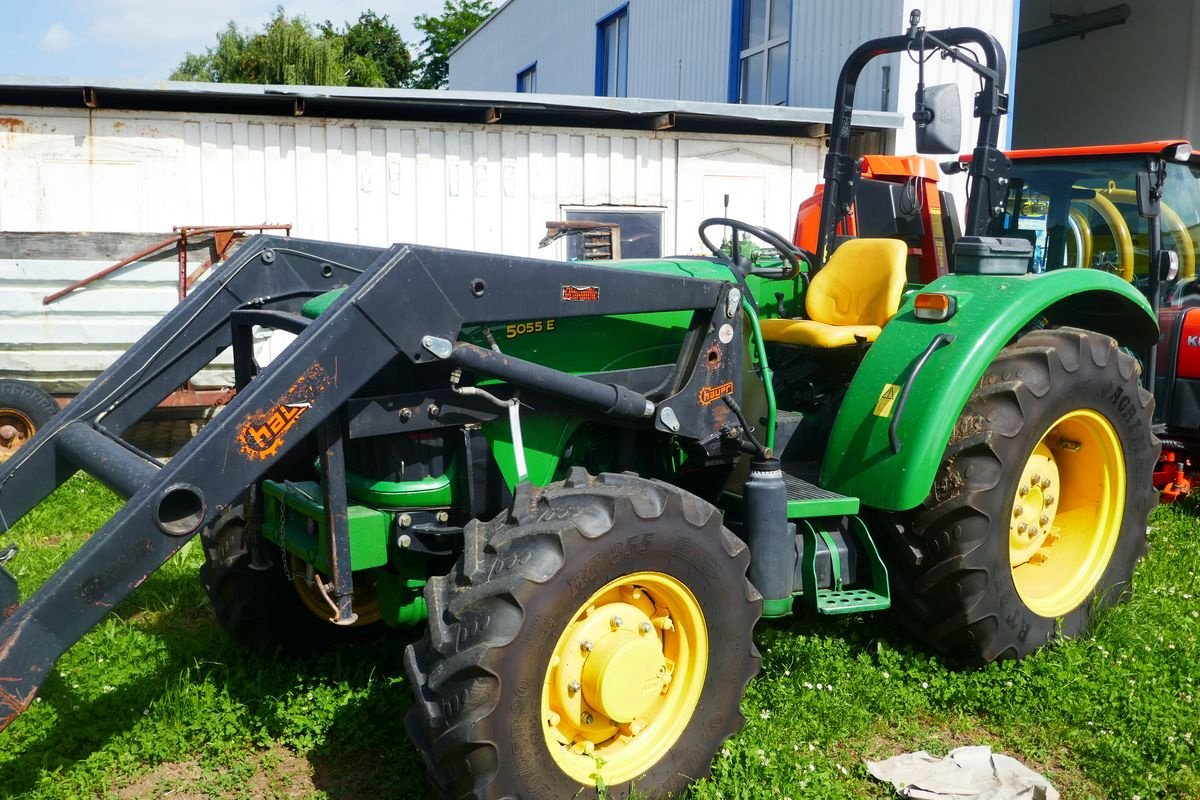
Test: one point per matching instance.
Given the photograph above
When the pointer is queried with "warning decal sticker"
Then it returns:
(887, 398)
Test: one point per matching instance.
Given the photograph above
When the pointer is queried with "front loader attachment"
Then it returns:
(403, 305)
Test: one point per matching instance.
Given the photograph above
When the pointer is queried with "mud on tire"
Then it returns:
(953, 581)
(494, 624)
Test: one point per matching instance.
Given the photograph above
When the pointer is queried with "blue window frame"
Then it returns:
(760, 52)
(612, 54)
(527, 79)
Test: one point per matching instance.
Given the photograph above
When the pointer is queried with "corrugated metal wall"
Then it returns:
(824, 33)
(680, 49)
(677, 48)
(477, 187)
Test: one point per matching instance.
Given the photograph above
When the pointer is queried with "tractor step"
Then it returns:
(838, 598)
(806, 499)
(851, 601)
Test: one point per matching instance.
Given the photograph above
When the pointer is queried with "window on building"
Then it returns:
(760, 55)
(612, 54)
(641, 229)
(527, 79)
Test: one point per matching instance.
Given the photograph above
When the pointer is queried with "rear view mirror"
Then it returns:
(939, 119)
(1147, 197)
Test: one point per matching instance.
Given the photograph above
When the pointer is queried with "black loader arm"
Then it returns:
(405, 301)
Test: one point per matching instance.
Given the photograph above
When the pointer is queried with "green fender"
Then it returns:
(992, 310)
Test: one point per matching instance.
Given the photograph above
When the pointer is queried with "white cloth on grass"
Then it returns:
(967, 773)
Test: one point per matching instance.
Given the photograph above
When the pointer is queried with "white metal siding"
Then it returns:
(476, 187)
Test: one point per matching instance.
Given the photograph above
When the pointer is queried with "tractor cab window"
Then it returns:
(1082, 212)
(1078, 213)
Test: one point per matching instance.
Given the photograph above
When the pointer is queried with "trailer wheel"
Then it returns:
(23, 409)
(602, 632)
(1038, 513)
(271, 609)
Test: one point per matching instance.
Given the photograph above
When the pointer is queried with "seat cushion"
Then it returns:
(861, 285)
(810, 333)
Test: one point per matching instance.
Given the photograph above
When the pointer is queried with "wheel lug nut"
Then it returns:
(616, 622)
(1024, 490)
(1049, 500)
(1022, 528)
(587, 718)
(586, 645)
(1044, 520)
(573, 687)
(1018, 511)
(1035, 480)
(645, 627)
(1045, 483)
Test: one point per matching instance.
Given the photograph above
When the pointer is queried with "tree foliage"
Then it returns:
(442, 34)
(374, 52)
(291, 51)
(369, 52)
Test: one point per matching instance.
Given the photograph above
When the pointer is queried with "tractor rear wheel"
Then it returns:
(601, 635)
(269, 607)
(1038, 513)
(23, 409)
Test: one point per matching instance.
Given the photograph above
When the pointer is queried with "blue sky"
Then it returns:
(146, 39)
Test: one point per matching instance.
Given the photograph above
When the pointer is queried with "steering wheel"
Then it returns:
(789, 251)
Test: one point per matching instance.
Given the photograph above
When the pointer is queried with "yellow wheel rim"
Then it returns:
(366, 601)
(16, 428)
(1067, 512)
(624, 678)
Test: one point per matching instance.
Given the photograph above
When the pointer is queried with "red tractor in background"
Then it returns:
(1130, 209)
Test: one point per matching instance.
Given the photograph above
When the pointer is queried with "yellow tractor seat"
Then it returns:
(851, 297)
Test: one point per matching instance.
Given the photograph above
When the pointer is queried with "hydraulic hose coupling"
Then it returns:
(772, 543)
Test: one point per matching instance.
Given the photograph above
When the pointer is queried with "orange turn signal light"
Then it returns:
(934, 307)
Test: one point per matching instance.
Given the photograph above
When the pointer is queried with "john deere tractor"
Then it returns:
(589, 481)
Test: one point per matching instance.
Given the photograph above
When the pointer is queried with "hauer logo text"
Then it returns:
(1193, 340)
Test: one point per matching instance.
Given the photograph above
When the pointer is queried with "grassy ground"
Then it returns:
(156, 700)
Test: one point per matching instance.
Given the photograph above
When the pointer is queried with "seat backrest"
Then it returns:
(861, 284)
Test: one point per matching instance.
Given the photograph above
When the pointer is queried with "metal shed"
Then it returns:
(96, 170)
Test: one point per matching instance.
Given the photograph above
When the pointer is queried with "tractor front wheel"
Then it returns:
(267, 605)
(602, 635)
(1038, 513)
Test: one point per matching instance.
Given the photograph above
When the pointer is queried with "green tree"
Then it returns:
(374, 51)
(442, 34)
(290, 51)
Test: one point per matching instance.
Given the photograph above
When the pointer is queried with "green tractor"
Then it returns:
(590, 481)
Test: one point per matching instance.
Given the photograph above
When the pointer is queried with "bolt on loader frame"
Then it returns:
(590, 482)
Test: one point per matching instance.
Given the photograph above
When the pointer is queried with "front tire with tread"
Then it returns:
(495, 621)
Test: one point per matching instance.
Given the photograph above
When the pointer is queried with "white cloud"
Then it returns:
(57, 38)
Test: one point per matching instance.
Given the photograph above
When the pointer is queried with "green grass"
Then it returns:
(157, 699)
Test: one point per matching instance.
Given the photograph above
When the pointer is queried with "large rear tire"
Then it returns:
(1038, 513)
(602, 632)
